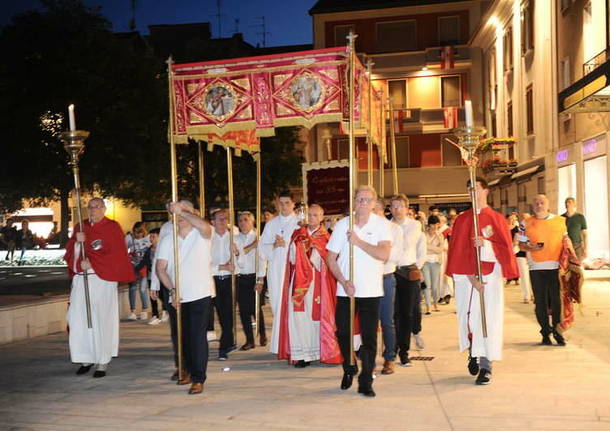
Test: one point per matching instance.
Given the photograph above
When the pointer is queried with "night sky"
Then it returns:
(287, 21)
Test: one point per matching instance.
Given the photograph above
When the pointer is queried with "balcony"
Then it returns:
(596, 62)
(417, 120)
(497, 156)
(430, 57)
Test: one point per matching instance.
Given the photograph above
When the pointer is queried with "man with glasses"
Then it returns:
(408, 278)
(371, 240)
(106, 264)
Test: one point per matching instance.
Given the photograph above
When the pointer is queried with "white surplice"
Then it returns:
(100, 343)
(276, 258)
(490, 347)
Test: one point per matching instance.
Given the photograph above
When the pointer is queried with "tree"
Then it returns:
(281, 169)
(67, 54)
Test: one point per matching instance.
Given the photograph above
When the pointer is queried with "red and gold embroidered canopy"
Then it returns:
(261, 93)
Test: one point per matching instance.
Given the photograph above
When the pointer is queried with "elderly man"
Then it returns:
(371, 241)
(543, 238)
(195, 277)
(106, 263)
(307, 322)
(273, 247)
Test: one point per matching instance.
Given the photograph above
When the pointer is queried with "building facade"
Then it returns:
(423, 64)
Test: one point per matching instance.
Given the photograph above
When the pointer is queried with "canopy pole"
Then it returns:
(231, 240)
(174, 174)
(393, 149)
(352, 171)
(201, 180)
(369, 140)
(257, 294)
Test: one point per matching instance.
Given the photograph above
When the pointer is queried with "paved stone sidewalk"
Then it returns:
(534, 388)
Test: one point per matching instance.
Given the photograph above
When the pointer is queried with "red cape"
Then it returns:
(571, 279)
(325, 299)
(461, 257)
(106, 250)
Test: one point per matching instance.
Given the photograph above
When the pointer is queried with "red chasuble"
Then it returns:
(324, 300)
(106, 250)
(461, 258)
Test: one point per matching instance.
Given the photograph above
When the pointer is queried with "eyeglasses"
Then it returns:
(94, 207)
(364, 200)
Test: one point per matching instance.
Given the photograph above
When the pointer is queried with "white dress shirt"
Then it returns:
(414, 243)
(221, 252)
(246, 262)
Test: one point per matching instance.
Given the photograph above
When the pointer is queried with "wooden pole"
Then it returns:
(352, 172)
(201, 180)
(231, 225)
(393, 149)
(174, 174)
(369, 140)
(257, 297)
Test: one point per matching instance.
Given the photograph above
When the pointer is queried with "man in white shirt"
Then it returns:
(387, 308)
(408, 278)
(273, 248)
(246, 243)
(222, 268)
(196, 287)
(371, 240)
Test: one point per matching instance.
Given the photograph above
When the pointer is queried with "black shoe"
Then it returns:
(404, 358)
(473, 366)
(367, 391)
(99, 374)
(174, 377)
(346, 381)
(302, 364)
(559, 338)
(441, 301)
(484, 377)
(84, 369)
(447, 299)
(546, 341)
(223, 356)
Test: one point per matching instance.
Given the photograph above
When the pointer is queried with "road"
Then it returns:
(19, 284)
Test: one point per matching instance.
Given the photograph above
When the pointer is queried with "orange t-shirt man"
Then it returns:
(549, 231)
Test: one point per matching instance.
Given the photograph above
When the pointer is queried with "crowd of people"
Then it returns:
(404, 265)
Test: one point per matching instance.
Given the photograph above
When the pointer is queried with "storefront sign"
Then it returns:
(562, 156)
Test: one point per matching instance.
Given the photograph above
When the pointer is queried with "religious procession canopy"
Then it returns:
(233, 102)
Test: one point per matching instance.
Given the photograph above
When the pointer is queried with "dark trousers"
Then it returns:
(368, 312)
(408, 312)
(195, 316)
(163, 297)
(246, 299)
(224, 307)
(545, 285)
(173, 326)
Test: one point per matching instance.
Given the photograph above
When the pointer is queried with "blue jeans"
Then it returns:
(432, 277)
(386, 315)
(140, 284)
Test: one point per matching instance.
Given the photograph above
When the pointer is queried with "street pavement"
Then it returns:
(534, 388)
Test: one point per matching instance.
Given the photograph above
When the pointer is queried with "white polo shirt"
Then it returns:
(397, 248)
(195, 264)
(368, 271)
(221, 252)
(246, 262)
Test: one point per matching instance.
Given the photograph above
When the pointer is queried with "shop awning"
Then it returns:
(591, 93)
(524, 172)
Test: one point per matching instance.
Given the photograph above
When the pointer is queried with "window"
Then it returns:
(398, 93)
(527, 27)
(504, 196)
(508, 49)
(529, 109)
(397, 36)
(491, 79)
(341, 32)
(541, 188)
(402, 152)
(509, 118)
(448, 30)
(450, 91)
(566, 77)
(521, 193)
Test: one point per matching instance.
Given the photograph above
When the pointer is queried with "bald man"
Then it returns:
(543, 239)
(307, 307)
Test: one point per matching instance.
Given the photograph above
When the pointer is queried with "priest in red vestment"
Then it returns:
(497, 262)
(307, 323)
(107, 263)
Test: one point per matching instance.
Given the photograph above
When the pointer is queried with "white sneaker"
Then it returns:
(164, 316)
(419, 341)
(143, 315)
(154, 321)
(211, 335)
(132, 316)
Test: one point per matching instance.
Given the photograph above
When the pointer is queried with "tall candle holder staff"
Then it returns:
(74, 144)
